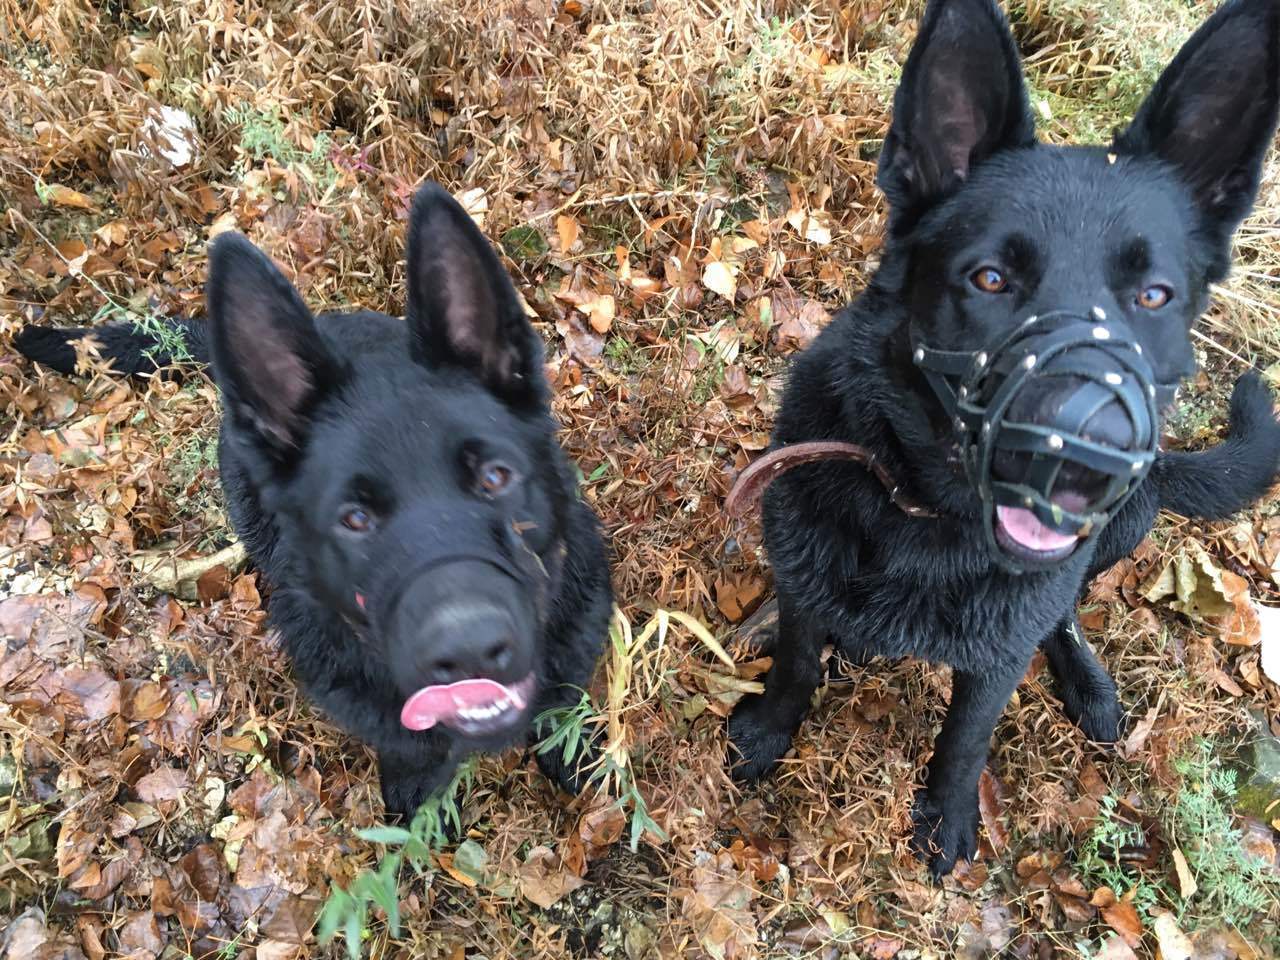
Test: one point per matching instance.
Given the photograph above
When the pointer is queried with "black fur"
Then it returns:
(1071, 229)
(400, 420)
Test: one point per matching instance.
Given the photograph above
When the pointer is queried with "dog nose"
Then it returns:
(463, 640)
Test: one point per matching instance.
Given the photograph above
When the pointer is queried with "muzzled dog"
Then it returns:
(435, 578)
(1004, 376)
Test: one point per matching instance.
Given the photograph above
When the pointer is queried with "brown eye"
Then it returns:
(356, 519)
(1155, 296)
(495, 477)
(989, 280)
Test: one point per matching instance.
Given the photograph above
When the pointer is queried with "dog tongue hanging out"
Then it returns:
(435, 577)
(1007, 366)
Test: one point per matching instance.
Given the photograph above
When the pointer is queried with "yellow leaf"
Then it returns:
(718, 277)
(221, 225)
(601, 312)
(476, 203)
(567, 228)
(703, 634)
(66, 197)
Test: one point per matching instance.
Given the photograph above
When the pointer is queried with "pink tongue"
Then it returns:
(432, 704)
(1025, 528)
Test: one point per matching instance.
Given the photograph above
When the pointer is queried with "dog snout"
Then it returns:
(462, 621)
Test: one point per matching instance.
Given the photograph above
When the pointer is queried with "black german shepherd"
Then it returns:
(1008, 364)
(435, 577)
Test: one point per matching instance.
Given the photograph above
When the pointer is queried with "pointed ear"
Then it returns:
(1212, 114)
(960, 100)
(268, 358)
(463, 308)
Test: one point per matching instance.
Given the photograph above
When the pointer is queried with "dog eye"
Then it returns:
(356, 519)
(495, 477)
(1155, 296)
(988, 280)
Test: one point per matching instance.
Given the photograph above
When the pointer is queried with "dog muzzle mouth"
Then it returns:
(1048, 484)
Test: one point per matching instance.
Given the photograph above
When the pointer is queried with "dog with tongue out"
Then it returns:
(435, 577)
(977, 435)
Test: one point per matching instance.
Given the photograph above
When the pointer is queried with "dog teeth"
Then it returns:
(486, 712)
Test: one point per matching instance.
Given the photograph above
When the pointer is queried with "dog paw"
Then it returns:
(1096, 712)
(402, 796)
(939, 837)
(756, 742)
(572, 777)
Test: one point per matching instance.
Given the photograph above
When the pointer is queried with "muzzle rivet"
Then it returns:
(982, 360)
(1137, 465)
(986, 428)
(1137, 348)
(1030, 320)
(1028, 502)
(1114, 379)
(1055, 442)
(1030, 361)
(1098, 313)
(960, 424)
(918, 356)
(1151, 390)
(1101, 333)
(963, 393)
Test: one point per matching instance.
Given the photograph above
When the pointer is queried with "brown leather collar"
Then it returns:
(751, 483)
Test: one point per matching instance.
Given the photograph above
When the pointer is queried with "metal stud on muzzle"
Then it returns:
(1103, 365)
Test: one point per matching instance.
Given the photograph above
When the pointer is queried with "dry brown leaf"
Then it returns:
(64, 196)
(720, 277)
(1173, 943)
(1187, 885)
(567, 230)
(991, 806)
(164, 783)
(718, 906)
(545, 879)
(1115, 948)
(1122, 917)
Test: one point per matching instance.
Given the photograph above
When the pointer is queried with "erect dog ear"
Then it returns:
(1212, 113)
(268, 358)
(463, 308)
(961, 99)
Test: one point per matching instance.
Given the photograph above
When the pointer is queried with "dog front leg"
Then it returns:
(763, 724)
(946, 812)
(571, 774)
(410, 779)
(1088, 693)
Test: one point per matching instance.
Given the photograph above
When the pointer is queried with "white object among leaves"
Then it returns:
(174, 135)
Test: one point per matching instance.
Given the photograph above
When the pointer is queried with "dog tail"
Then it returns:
(1223, 480)
(132, 349)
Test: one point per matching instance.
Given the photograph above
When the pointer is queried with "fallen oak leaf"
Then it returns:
(545, 879)
(164, 783)
(1122, 917)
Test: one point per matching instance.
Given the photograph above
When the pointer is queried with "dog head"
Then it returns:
(991, 230)
(413, 474)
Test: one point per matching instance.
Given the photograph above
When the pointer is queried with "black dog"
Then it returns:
(435, 577)
(1007, 365)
